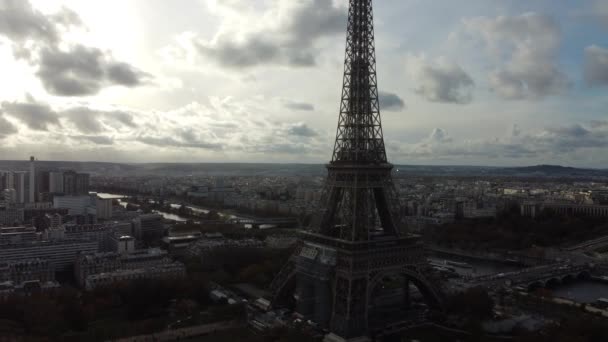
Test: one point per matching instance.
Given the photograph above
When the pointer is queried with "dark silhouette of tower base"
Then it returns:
(347, 266)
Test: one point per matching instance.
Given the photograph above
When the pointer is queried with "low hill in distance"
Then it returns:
(260, 169)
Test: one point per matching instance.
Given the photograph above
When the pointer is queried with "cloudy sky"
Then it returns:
(480, 82)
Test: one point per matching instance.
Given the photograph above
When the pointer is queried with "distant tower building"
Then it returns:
(82, 183)
(19, 184)
(4, 180)
(104, 208)
(75, 183)
(10, 196)
(43, 186)
(69, 183)
(32, 183)
(56, 182)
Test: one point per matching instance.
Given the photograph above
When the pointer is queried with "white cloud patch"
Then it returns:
(526, 47)
(440, 80)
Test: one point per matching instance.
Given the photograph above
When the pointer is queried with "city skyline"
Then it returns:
(208, 81)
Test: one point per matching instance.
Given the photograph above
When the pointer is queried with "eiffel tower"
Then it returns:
(358, 239)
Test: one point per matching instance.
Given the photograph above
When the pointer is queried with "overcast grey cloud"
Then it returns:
(301, 130)
(556, 140)
(289, 38)
(95, 139)
(439, 135)
(391, 102)
(525, 47)
(37, 116)
(596, 66)
(74, 71)
(84, 71)
(19, 21)
(167, 142)
(441, 81)
(90, 120)
(299, 106)
(262, 80)
(6, 127)
(601, 10)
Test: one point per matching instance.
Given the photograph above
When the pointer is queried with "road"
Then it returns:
(177, 334)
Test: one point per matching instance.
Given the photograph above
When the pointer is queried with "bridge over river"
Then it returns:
(540, 276)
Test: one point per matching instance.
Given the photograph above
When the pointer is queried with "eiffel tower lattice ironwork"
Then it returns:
(358, 238)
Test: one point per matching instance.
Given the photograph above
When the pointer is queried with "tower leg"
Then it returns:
(349, 320)
(406, 293)
(335, 338)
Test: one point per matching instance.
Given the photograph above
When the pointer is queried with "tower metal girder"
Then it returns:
(358, 237)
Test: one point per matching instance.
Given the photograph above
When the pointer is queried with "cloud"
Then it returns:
(555, 142)
(301, 130)
(601, 10)
(124, 74)
(64, 69)
(439, 135)
(95, 139)
(6, 127)
(20, 22)
(37, 116)
(221, 125)
(167, 142)
(89, 120)
(299, 106)
(596, 66)
(84, 71)
(440, 81)
(390, 102)
(286, 33)
(526, 48)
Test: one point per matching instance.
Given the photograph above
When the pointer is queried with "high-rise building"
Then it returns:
(82, 183)
(43, 186)
(149, 227)
(75, 183)
(77, 205)
(60, 253)
(32, 181)
(56, 182)
(6, 180)
(20, 185)
(10, 196)
(69, 183)
(104, 208)
(10, 216)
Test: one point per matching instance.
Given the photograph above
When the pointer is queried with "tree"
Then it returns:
(475, 303)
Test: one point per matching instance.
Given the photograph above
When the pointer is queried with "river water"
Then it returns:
(178, 218)
(582, 291)
(167, 216)
(474, 267)
(579, 291)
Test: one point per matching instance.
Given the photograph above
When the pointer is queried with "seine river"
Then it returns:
(168, 216)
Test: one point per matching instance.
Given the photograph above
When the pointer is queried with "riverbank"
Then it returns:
(185, 333)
